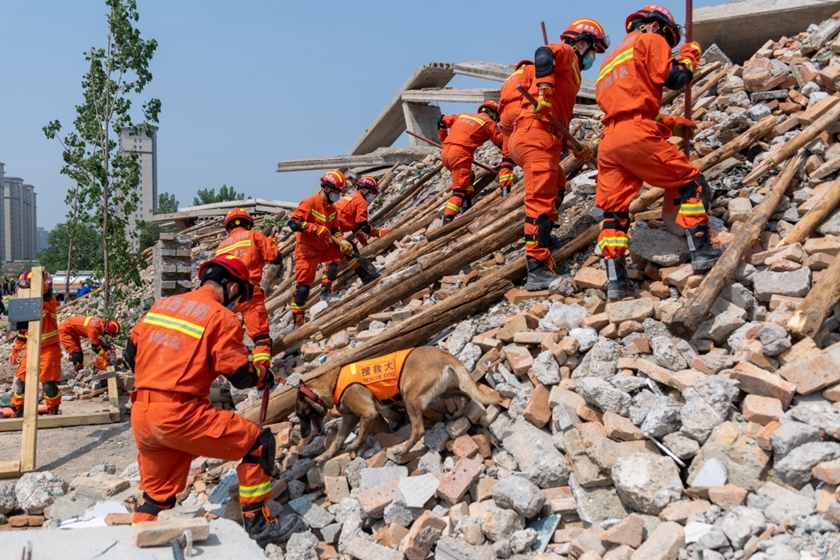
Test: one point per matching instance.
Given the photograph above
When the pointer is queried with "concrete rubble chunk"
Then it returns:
(301, 546)
(666, 354)
(37, 490)
(647, 483)
(536, 455)
(663, 418)
(546, 369)
(634, 310)
(519, 494)
(8, 501)
(740, 523)
(600, 361)
(664, 543)
(596, 505)
(796, 283)
(744, 461)
(774, 339)
(363, 549)
(794, 469)
(450, 548)
(658, 246)
(316, 516)
(417, 490)
(601, 394)
(498, 523)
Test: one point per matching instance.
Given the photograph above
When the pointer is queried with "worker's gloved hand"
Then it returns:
(683, 125)
(543, 106)
(584, 153)
(690, 55)
(383, 232)
(345, 246)
(14, 356)
(442, 134)
(266, 379)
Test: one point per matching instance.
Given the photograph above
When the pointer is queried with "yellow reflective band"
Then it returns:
(692, 209)
(255, 490)
(619, 58)
(613, 242)
(262, 356)
(505, 176)
(451, 206)
(577, 71)
(517, 72)
(530, 243)
(333, 215)
(50, 334)
(688, 63)
(348, 197)
(189, 329)
(233, 246)
(295, 306)
(472, 118)
(318, 215)
(352, 261)
(87, 320)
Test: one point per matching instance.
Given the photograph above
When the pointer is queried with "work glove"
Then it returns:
(101, 363)
(690, 55)
(584, 153)
(543, 106)
(14, 356)
(266, 378)
(345, 246)
(678, 125)
(442, 134)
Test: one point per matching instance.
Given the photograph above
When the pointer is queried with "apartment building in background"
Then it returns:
(146, 148)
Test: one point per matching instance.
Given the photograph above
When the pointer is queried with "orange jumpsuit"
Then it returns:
(255, 250)
(511, 103)
(537, 147)
(50, 357)
(468, 131)
(176, 351)
(634, 146)
(315, 244)
(71, 332)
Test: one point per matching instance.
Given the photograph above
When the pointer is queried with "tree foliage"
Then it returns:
(88, 242)
(209, 196)
(149, 232)
(106, 178)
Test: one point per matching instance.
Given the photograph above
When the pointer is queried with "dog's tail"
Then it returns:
(470, 387)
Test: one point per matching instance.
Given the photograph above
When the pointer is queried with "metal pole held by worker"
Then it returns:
(689, 16)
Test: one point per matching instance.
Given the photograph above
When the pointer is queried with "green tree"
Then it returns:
(149, 232)
(105, 176)
(88, 243)
(209, 196)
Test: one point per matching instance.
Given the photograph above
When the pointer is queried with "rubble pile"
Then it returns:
(615, 439)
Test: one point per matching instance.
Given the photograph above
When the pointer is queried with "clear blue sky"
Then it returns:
(246, 84)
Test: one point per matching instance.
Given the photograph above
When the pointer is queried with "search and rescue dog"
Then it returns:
(361, 392)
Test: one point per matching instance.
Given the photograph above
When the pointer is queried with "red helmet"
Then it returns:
(668, 25)
(238, 218)
(368, 182)
(25, 281)
(224, 268)
(490, 108)
(112, 328)
(523, 62)
(587, 29)
(334, 179)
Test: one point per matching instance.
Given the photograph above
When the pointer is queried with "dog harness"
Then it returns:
(380, 375)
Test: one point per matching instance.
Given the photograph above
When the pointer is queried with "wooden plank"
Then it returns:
(114, 400)
(9, 469)
(820, 301)
(60, 421)
(28, 446)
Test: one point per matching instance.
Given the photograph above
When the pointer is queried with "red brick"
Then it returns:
(390, 535)
(456, 483)
(375, 500)
(763, 437)
(537, 411)
(620, 428)
(515, 295)
(664, 543)
(519, 358)
(762, 410)
(118, 519)
(828, 472)
(422, 536)
(26, 520)
(336, 488)
(814, 374)
(728, 496)
(756, 381)
(588, 277)
(464, 446)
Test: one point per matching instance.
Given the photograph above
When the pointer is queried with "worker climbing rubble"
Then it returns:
(71, 332)
(255, 250)
(461, 135)
(319, 237)
(635, 146)
(537, 146)
(176, 351)
(50, 371)
(510, 105)
(353, 217)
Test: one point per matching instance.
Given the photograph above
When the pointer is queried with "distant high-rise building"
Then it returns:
(20, 222)
(40, 239)
(147, 191)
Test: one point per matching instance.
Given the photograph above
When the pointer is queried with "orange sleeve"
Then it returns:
(655, 56)
(301, 213)
(20, 341)
(561, 60)
(95, 329)
(360, 213)
(266, 247)
(449, 120)
(493, 133)
(226, 348)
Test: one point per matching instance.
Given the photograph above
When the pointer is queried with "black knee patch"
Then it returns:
(18, 386)
(262, 340)
(544, 231)
(50, 389)
(152, 507)
(616, 220)
(331, 271)
(543, 62)
(266, 457)
(77, 358)
(301, 294)
(698, 188)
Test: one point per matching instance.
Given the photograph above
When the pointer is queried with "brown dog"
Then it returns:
(427, 373)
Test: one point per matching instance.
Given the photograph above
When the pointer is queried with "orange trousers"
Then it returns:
(70, 342)
(50, 373)
(537, 150)
(506, 120)
(255, 318)
(306, 268)
(458, 160)
(172, 428)
(633, 151)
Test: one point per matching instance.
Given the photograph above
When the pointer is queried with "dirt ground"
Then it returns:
(69, 452)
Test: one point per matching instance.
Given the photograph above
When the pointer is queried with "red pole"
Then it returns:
(545, 35)
(689, 16)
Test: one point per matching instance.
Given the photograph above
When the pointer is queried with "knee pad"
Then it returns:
(152, 507)
(698, 188)
(616, 220)
(301, 295)
(543, 62)
(77, 359)
(262, 340)
(544, 226)
(18, 386)
(50, 389)
(267, 447)
(331, 270)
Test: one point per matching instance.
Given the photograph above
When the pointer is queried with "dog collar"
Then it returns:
(307, 392)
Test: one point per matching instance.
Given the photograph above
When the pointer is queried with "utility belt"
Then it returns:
(154, 395)
(633, 116)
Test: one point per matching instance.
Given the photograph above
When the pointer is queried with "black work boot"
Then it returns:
(618, 285)
(446, 219)
(326, 290)
(539, 276)
(264, 528)
(705, 251)
(17, 410)
(365, 275)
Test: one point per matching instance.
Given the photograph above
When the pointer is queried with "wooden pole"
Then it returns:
(33, 369)
(786, 149)
(689, 15)
(814, 217)
(688, 318)
(544, 32)
(818, 304)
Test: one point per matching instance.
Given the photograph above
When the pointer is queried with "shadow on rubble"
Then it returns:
(98, 438)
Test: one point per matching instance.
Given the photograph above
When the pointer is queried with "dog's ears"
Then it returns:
(320, 410)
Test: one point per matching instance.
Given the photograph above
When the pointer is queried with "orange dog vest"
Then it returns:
(381, 376)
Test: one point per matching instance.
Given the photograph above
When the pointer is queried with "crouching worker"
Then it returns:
(73, 330)
(176, 351)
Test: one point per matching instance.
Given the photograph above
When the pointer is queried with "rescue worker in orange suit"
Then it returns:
(50, 352)
(537, 147)
(634, 147)
(319, 237)
(255, 250)
(176, 351)
(510, 104)
(73, 330)
(461, 135)
(352, 216)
